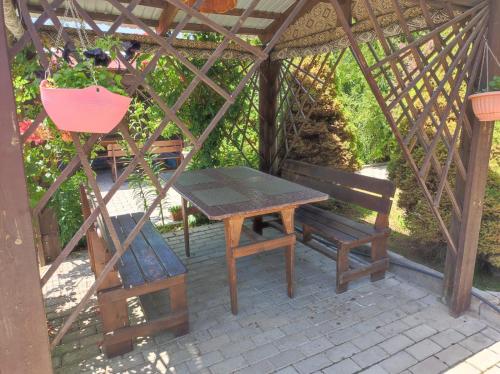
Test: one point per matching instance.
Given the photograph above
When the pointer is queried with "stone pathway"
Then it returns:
(390, 326)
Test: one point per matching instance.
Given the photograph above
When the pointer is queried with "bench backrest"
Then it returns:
(368, 192)
(158, 147)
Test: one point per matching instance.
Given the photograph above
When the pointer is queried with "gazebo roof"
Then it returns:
(315, 30)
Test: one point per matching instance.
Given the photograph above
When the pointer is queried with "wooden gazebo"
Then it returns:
(400, 44)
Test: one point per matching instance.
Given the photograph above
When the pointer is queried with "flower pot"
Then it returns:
(176, 215)
(486, 105)
(93, 109)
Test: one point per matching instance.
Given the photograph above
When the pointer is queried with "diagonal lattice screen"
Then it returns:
(420, 79)
(143, 85)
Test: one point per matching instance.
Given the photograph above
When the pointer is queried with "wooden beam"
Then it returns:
(24, 344)
(166, 18)
(268, 104)
(463, 264)
(103, 17)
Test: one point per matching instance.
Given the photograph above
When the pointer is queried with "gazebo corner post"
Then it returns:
(24, 343)
(460, 268)
(269, 87)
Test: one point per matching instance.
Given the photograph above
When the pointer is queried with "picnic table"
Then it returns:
(235, 194)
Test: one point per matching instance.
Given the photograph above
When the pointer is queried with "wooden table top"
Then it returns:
(225, 192)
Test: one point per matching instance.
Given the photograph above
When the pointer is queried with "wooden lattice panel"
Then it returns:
(420, 80)
(140, 86)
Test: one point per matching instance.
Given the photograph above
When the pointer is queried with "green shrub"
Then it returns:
(422, 224)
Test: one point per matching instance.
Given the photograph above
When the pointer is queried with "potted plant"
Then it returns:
(82, 94)
(176, 212)
(486, 105)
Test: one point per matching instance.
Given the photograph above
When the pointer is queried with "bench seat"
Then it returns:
(337, 229)
(149, 258)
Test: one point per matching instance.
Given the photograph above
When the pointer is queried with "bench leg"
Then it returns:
(342, 267)
(185, 227)
(114, 316)
(257, 225)
(306, 233)
(288, 226)
(378, 252)
(178, 303)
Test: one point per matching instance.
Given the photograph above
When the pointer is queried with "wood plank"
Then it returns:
(321, 227)
(112, 295)
(146, 329)
(127, 265)
(150, 265)
(375, 267)
(165, 254)
(329, 174)
(372, 202)
(24, 343)
(166, 18)
(264, 246)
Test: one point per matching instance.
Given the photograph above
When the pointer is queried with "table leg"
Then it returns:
(288, 226)
(232, 227)
(185, 225)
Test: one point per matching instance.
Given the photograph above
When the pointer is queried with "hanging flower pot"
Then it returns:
(214, 6)
(92, 109)
(486, 105)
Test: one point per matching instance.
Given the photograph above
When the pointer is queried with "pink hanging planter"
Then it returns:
(486, 105)
(92, 109)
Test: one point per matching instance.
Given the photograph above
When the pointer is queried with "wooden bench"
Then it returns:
(370, 193)
(149, 265)
(166, 149)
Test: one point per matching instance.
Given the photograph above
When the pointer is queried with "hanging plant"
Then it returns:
(214, 6)
(81, 94)
(486, 105)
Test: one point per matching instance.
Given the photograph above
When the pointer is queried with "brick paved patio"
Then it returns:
(390, 326)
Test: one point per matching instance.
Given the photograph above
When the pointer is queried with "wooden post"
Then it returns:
(473, 191)
(24, 343)
(268, 103)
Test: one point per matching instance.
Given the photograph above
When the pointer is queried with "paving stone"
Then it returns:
(419, 333)
(493, 370)
(341, 352)
(476, 342)
(430, 365)
(351, 332)
(369, 357)
(312, 364)
(315, 346)
(261, 367)
(287, 370)
(346, 366)
(261, 353)
(376, 369)
(204, 361)
(396, 344)
(368, 340)
(453, 354)
(423, 349)
(495, 347)
(471, 327)
(291, 341)
(484, 359)
(399, 362)
(229, 365)
(463, 368)
(286, 358)
(447, 338)
(214, 344)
